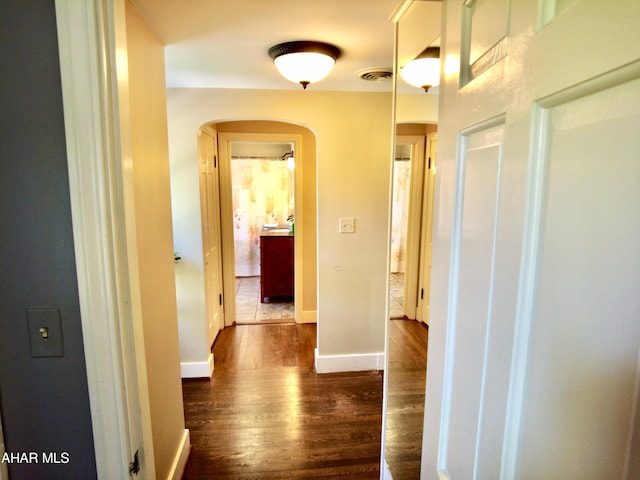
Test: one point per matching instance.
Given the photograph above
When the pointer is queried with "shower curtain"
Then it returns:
(262, 194)
(400, 214)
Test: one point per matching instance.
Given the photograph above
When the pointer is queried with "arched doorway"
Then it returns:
(221, 203)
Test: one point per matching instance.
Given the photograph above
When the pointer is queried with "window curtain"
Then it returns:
(400, 214)
(262, 194)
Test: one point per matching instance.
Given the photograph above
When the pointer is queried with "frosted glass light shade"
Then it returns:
(304, 61)
(306, 67)
(424, 71)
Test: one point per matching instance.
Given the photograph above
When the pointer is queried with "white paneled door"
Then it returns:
(209, 200)
(534, 353)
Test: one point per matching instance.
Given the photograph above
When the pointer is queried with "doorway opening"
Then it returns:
(412, 199)
(399, 226)
(281, 185)
(263, 189)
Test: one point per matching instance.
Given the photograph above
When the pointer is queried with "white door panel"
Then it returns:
(585, 337)
(480, 168)
(534, 335)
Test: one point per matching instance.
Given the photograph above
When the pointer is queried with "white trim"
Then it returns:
(197, 369)
(182, 455)
(93, 101)
(349, 363)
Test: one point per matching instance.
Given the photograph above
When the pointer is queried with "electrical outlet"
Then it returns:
(347, 225)
(45, 332)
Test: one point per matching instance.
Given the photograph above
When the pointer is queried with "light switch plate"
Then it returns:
(45, 332)
(347, 225)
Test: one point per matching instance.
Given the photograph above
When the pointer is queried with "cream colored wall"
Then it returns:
(154, 238)
(353, 143)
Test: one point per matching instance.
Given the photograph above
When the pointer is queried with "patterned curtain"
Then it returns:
(400, 214)
(262, 194)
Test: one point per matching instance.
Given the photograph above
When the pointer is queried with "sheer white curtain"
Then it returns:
(262, 194)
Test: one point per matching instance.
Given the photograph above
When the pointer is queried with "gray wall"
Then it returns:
(44, 401)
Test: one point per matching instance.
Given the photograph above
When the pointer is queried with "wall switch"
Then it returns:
(347, 225)
(45, 332)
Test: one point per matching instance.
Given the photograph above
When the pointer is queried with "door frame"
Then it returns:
(423, 307)
(414, 220)
(96, 116)
(226, 216)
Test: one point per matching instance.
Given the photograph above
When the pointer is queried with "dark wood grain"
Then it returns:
(266, 414)
(405, 398)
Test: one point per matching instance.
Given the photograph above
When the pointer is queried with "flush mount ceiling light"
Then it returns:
(304, 61)
(424, 70)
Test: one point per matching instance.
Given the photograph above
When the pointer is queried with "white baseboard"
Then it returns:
(182, 455)
(197, 369)
(349, 363)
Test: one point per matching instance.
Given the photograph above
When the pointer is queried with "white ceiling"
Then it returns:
(224, 43)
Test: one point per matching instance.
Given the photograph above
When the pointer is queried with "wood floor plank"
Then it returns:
(266, 414)
(405, 398)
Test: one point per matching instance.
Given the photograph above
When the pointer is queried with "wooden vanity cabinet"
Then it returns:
(276, 266)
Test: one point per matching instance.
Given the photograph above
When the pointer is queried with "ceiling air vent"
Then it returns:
(375, 74)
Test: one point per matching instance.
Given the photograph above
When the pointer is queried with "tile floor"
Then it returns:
(250, 310)
(396, 302)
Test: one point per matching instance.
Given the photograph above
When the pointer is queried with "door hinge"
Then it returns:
(134, 467)
(422, 294)
(429, 165)
(220, 299)
(215, 161)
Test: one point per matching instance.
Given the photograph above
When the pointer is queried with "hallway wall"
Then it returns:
(149, 149)
(353, 133)
(45, 401)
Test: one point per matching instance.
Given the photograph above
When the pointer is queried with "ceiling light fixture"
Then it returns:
(424, 70)
(304, 61)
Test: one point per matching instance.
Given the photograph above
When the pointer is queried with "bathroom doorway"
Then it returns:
(406, 218)
(412, 198)
(303, 144)
(399, 224)
(263, 202)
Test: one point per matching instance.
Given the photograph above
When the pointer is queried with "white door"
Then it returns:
(534, 351)
(426, 245)
(209, 198)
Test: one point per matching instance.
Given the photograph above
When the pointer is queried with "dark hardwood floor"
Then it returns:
(405, 400)
(266, 414)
